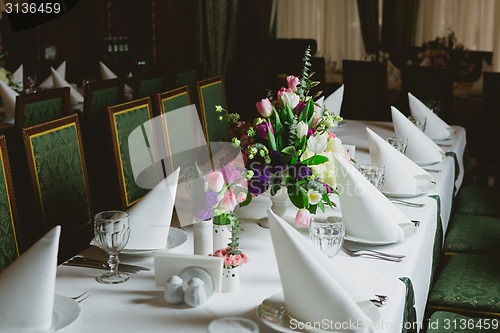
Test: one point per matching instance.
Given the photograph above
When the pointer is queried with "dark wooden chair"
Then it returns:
(10, 246)
(365, 91)
(148, 83)
(43, 106)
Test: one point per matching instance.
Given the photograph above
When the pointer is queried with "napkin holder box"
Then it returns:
(168, 264)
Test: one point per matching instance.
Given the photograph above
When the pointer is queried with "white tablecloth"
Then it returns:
(138, 305)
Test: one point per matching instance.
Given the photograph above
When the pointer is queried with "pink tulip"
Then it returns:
(264, 107)
(215, 181)
(242, 196)
(302, 218)
(229, 201)
(281, 91)
(293, 82)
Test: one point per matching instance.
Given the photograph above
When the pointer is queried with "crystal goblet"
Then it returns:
(112, 231)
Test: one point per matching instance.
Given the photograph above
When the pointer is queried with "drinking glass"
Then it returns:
(420, 122)
(327, 234)
(112, 231)
(433, 105)
(375, 173)
(399, 143)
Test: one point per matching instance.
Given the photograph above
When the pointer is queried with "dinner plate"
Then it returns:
(273, 313)
(422, 187)
(408, 230)
(66, 311)
(427, 163)
(176, 237)
(451, 135)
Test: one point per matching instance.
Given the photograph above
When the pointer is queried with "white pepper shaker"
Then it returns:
(195, 293)
(174, 293)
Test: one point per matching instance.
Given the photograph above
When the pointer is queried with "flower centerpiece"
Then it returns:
(290, 145)
(446, 52)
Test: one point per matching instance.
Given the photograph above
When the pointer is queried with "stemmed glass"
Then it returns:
(112, 231)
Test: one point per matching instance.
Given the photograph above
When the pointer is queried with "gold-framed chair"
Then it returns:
(172, 99)
(9, 229)
(123, 120)
(99, 95)
(46, 105)
(148, 83)
(59, 181)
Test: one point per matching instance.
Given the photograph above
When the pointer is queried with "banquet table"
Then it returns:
(138, 304)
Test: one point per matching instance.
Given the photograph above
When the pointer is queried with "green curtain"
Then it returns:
(368, 18)
(399, 28)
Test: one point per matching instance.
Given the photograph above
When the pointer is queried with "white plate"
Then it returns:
(443, 156)
(66, 311)
(272, 311)
(422, 187)
(408, 230)
(452, 134)
(176, 237)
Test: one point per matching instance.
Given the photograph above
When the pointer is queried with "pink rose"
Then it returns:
(242, 196)
(229, 201)
(237, 260)
(244, 258)
(302, 218)
(228, 261)
(215, 181)
(264, 107)
(293, 82)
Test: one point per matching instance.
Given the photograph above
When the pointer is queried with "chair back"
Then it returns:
(99, 95)
(187, 78)
(40, 107)
(147, 84)
(173, 99)
(490, 118)
(9, 231)
(123, 120)
(365, 91)
(211, 92)
(429, 84)
(56, 164)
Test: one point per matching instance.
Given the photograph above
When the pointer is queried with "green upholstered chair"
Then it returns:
(123, 120)
(473, 234)
(99, 95)
(187, 78)
(211, 92)
(46, 105)
(148, 84)
(450, 322)
(173, 99)
(468, 284)
(56, 164)
(9, 247)
(478, 200)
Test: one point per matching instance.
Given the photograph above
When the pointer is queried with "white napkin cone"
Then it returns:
(107, 74)
(18, 76)
(366, 212)
(334, 102)
(151, 216)
(402, 175)
(48, 83)
(314, 288)
(74, 96)
(421, 149)
(435, 127)
(9, 100)
(27, 287)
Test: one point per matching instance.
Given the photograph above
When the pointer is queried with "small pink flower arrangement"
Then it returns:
(231, 259)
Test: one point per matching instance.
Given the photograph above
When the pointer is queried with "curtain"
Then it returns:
(368, 14)
(221, 19)
(266, 12)
(398, 28)
(334, 24)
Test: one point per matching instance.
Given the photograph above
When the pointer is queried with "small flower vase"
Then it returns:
(203, 237)
(230, 279)
(278, 206)
(221, 236)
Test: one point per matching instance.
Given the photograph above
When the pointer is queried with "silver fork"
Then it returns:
(82, 297)
(374, 254)
(407, 203)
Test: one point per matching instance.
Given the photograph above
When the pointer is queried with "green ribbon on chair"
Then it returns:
(410, 313)
(438, 240)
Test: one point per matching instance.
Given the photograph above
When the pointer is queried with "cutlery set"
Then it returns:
(98, 264)
(373, 254)
(407, 203)
(379, 300)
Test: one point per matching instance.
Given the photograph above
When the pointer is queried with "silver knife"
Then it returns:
(99, 266)
(97, 262)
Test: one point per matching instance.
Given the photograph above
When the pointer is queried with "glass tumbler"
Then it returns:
(375, 173)
(420, 122)
(399, 143)
(327, 234)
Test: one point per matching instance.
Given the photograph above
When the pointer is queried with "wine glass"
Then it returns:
(112, 231)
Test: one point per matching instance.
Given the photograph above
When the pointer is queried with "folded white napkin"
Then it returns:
(9, 100)
(18, 76)
(435, 127)
(421, 149)
(48, 83)
(75, 97)
(27, 287)
(402, 175)
(151, 216)
(334, 102)
(366, 212)
(107, 74)
(330, 293)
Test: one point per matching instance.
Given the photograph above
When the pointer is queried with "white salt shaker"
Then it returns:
(174, 292)
(195, 293)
